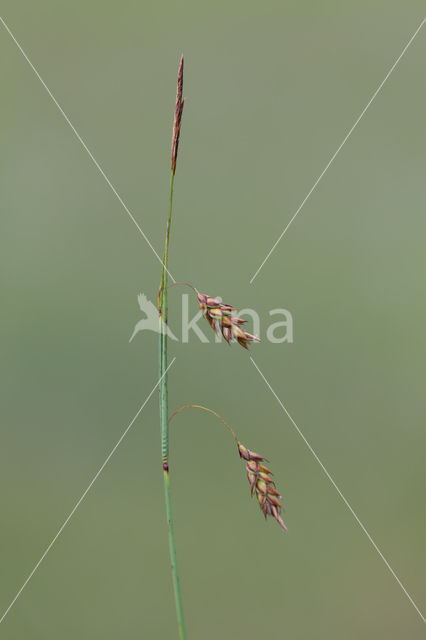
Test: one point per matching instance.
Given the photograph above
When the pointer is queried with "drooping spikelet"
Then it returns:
(178, 116)
(261, 484)
(219, 316)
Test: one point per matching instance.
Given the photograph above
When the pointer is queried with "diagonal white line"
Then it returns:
(339, 492)
(84, 494)
(327, 166)
(85, 147)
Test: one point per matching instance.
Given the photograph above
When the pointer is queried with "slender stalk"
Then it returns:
(164, 419)
(200, 406)
(186, 284)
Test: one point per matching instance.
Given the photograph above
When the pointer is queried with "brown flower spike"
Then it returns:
(219, 316)
(178, 116)
(261, 483)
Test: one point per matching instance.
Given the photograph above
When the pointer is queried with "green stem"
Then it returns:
(164, 418)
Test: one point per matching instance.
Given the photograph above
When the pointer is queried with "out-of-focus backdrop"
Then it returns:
(272, 89)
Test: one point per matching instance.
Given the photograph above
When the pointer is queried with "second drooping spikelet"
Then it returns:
(259, 476)
(261, 484)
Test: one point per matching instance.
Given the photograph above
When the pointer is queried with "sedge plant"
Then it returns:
(221, 317)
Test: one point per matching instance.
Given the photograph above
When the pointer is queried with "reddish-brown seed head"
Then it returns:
(178, 116)
(220, 318)
(262, 484)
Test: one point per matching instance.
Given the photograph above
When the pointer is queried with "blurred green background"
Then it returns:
(271, 88)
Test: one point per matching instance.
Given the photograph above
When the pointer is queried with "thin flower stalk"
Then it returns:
(163, 317)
